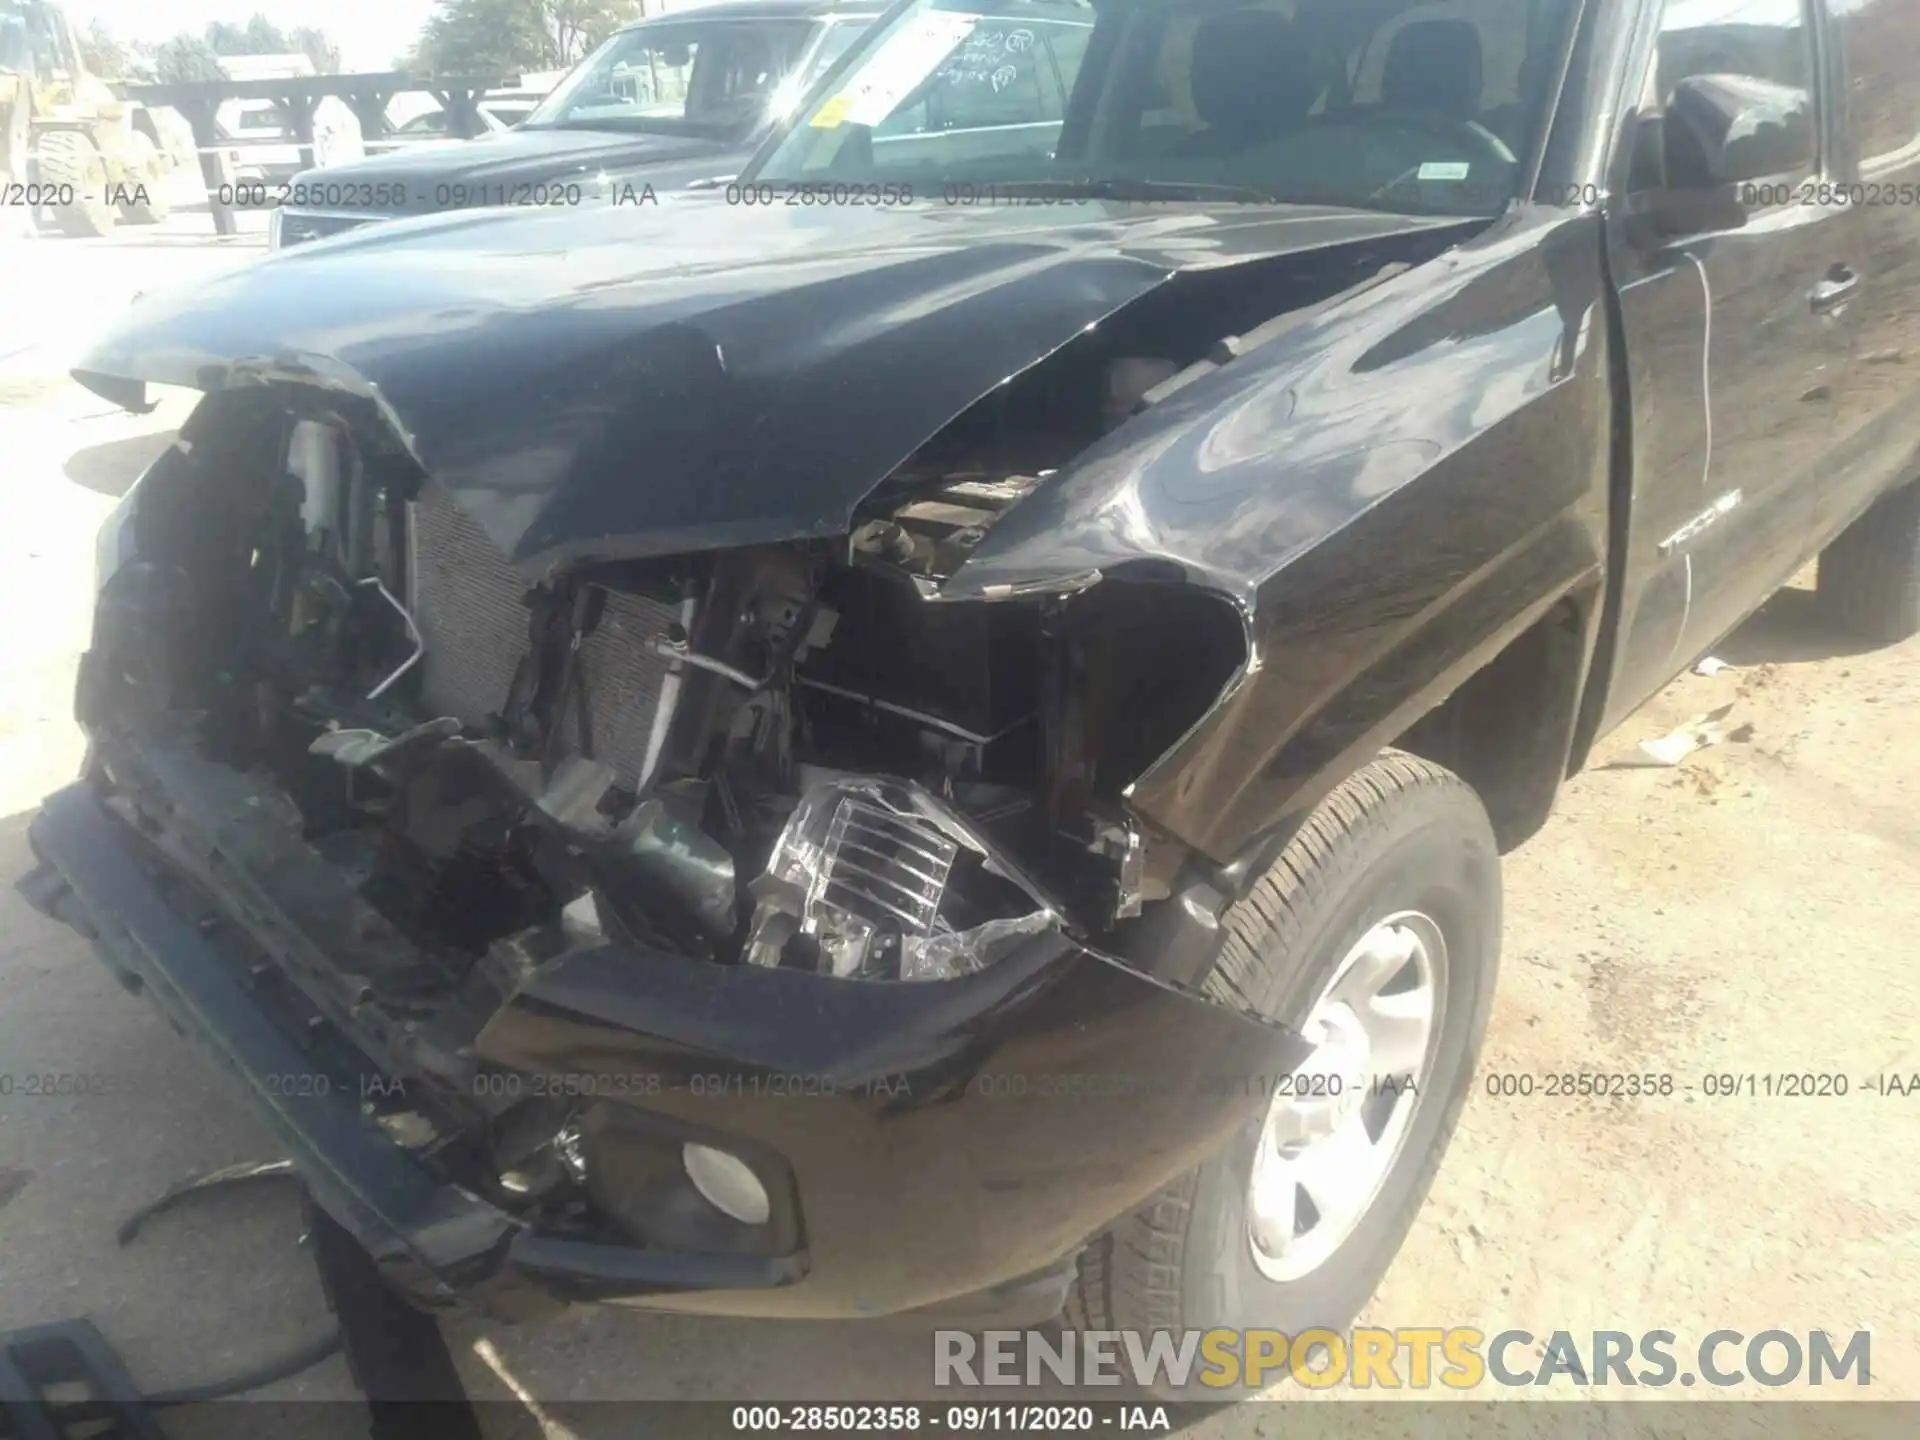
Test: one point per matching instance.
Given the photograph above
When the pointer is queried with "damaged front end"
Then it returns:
(750, 931)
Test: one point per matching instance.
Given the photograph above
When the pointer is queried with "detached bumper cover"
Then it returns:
(944, 1138)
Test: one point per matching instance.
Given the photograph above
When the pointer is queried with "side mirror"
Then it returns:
(1656, 211)
(1725, 129)
(1718, 133)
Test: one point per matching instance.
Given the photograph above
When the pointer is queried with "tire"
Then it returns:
(69, 158)
(143, 169)
(1869, 579)
(1400, 837)
(14, 141)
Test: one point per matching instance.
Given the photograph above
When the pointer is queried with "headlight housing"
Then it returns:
(877, 879)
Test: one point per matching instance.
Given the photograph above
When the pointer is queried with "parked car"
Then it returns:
(259, 151)
(513, 104)
(426, 123)
(435, 127)
(666, 102)
(934, 731)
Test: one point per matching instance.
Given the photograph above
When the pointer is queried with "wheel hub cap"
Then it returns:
(1336, 1126)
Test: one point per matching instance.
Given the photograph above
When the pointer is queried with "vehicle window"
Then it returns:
(709, 78)
(1760, 50)
(47, 43)
(1387, 104)
(432, 123)
(14, 51)
(1759, 39)
(1881, 39)
(259, 122)
(839, 37)
(1003, 75)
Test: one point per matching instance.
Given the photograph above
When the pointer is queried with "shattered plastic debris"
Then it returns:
(1710, 665)
(1670, 749)
(942, 957)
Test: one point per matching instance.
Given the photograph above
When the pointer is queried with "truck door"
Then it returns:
(1878, 444)
(1734, 299)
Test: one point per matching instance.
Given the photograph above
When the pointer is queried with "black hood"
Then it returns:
(519, 157)
(621, 381)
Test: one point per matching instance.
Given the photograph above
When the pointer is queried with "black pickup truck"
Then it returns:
(933, 730)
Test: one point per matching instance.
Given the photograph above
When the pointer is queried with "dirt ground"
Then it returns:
(1752, 911)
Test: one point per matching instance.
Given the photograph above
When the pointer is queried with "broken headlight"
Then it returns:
(879, 879)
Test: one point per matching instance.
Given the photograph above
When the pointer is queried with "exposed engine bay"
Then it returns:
(788, 756)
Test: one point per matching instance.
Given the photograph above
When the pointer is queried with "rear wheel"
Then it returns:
(143, 174)
(1869, 579)
(67, 157)
(1377, 934)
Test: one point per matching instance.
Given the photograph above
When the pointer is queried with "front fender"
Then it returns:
(1390, 492)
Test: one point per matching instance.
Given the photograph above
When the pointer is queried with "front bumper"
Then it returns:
(948, 1141)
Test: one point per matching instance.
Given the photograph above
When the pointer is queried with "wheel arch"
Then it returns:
(1506, 726)
(1505, 722)
(1509, 729)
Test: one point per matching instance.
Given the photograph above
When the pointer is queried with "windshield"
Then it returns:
(713, 79)
(1381, 104)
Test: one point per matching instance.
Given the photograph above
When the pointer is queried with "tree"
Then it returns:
(478, 37)
(184, 59)
(188, 57)
(577, 26)
(104, 54)
(260, 36)
(315, 45)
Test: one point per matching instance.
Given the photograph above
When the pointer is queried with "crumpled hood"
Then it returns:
(621, 381)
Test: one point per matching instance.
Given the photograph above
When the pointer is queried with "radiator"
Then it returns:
(469, 604)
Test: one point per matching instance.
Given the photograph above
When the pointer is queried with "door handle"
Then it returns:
(1835, 289)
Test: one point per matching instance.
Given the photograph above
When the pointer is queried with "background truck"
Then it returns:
(76, 149)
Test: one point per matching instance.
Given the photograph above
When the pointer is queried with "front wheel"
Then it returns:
(147, 202)
(1377, 935)
(68, 157)
(1869, 576)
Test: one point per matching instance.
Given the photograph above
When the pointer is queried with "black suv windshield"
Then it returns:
(1386, 104)
(715, 79)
